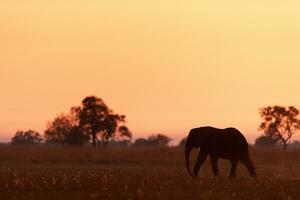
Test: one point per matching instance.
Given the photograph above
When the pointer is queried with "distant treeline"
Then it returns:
(34, 138)
(91, 123)
(94, 123)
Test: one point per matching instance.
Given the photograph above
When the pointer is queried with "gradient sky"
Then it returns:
(167, 65)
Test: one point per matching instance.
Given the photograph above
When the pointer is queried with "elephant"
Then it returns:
(228, 143)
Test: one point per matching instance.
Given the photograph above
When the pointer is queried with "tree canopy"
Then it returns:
(279, 123)
(64, 129)
(91, 120)
(29, 137)
(97, 119)
(58, 130)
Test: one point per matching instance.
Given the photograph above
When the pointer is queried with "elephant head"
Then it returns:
(195, 139)
(188, 148)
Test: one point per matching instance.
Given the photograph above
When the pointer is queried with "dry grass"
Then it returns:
(140, 173)
(88, 155)
(137, 155)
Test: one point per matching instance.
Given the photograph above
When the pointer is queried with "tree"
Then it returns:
(153, 140)
(141, 142)
(119, 143)
(59, 129)
(64, 129)
(159, 140)
(279, 123)
(29, 137)
(264, 140)
(76, 137)
(124, 132)
(97, 119)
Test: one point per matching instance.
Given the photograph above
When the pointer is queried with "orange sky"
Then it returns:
(168, 65)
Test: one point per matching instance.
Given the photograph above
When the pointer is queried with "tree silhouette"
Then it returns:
(153, 140)
(159, 140)
(119, 143)
(124, 132)
(77, 137)
(279, 123)
(64, 129)
(265, 140)
(97, 119)
(58, 130)
(141, 142)
(29, 137)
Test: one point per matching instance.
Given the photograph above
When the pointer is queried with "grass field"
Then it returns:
(140, 173)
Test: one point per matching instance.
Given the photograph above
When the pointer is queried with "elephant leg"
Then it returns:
(214, 165)
(233, 168)
(200, 160)
(248, 163)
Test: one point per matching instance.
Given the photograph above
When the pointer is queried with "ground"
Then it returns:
(140, 181)
(164, 177)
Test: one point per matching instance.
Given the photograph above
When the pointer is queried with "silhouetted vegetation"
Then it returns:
(141, 142)
(264, 141)
(29, 137)
(279, 123)
(294, 145)
(77, 137)
(140, 170)
(124, 132)
(158, 140)
(93, 120)
(98, 120)
(59, 129)
(119, 143)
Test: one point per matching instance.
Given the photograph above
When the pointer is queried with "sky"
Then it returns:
(167, 65)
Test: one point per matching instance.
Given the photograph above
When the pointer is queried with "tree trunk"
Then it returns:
(94, 139)
(285, 145)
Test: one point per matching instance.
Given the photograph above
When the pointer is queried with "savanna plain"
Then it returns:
(41, 172)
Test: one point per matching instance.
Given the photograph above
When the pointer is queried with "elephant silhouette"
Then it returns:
(226, 143)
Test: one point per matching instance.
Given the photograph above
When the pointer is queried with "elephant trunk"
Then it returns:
(187, 160)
